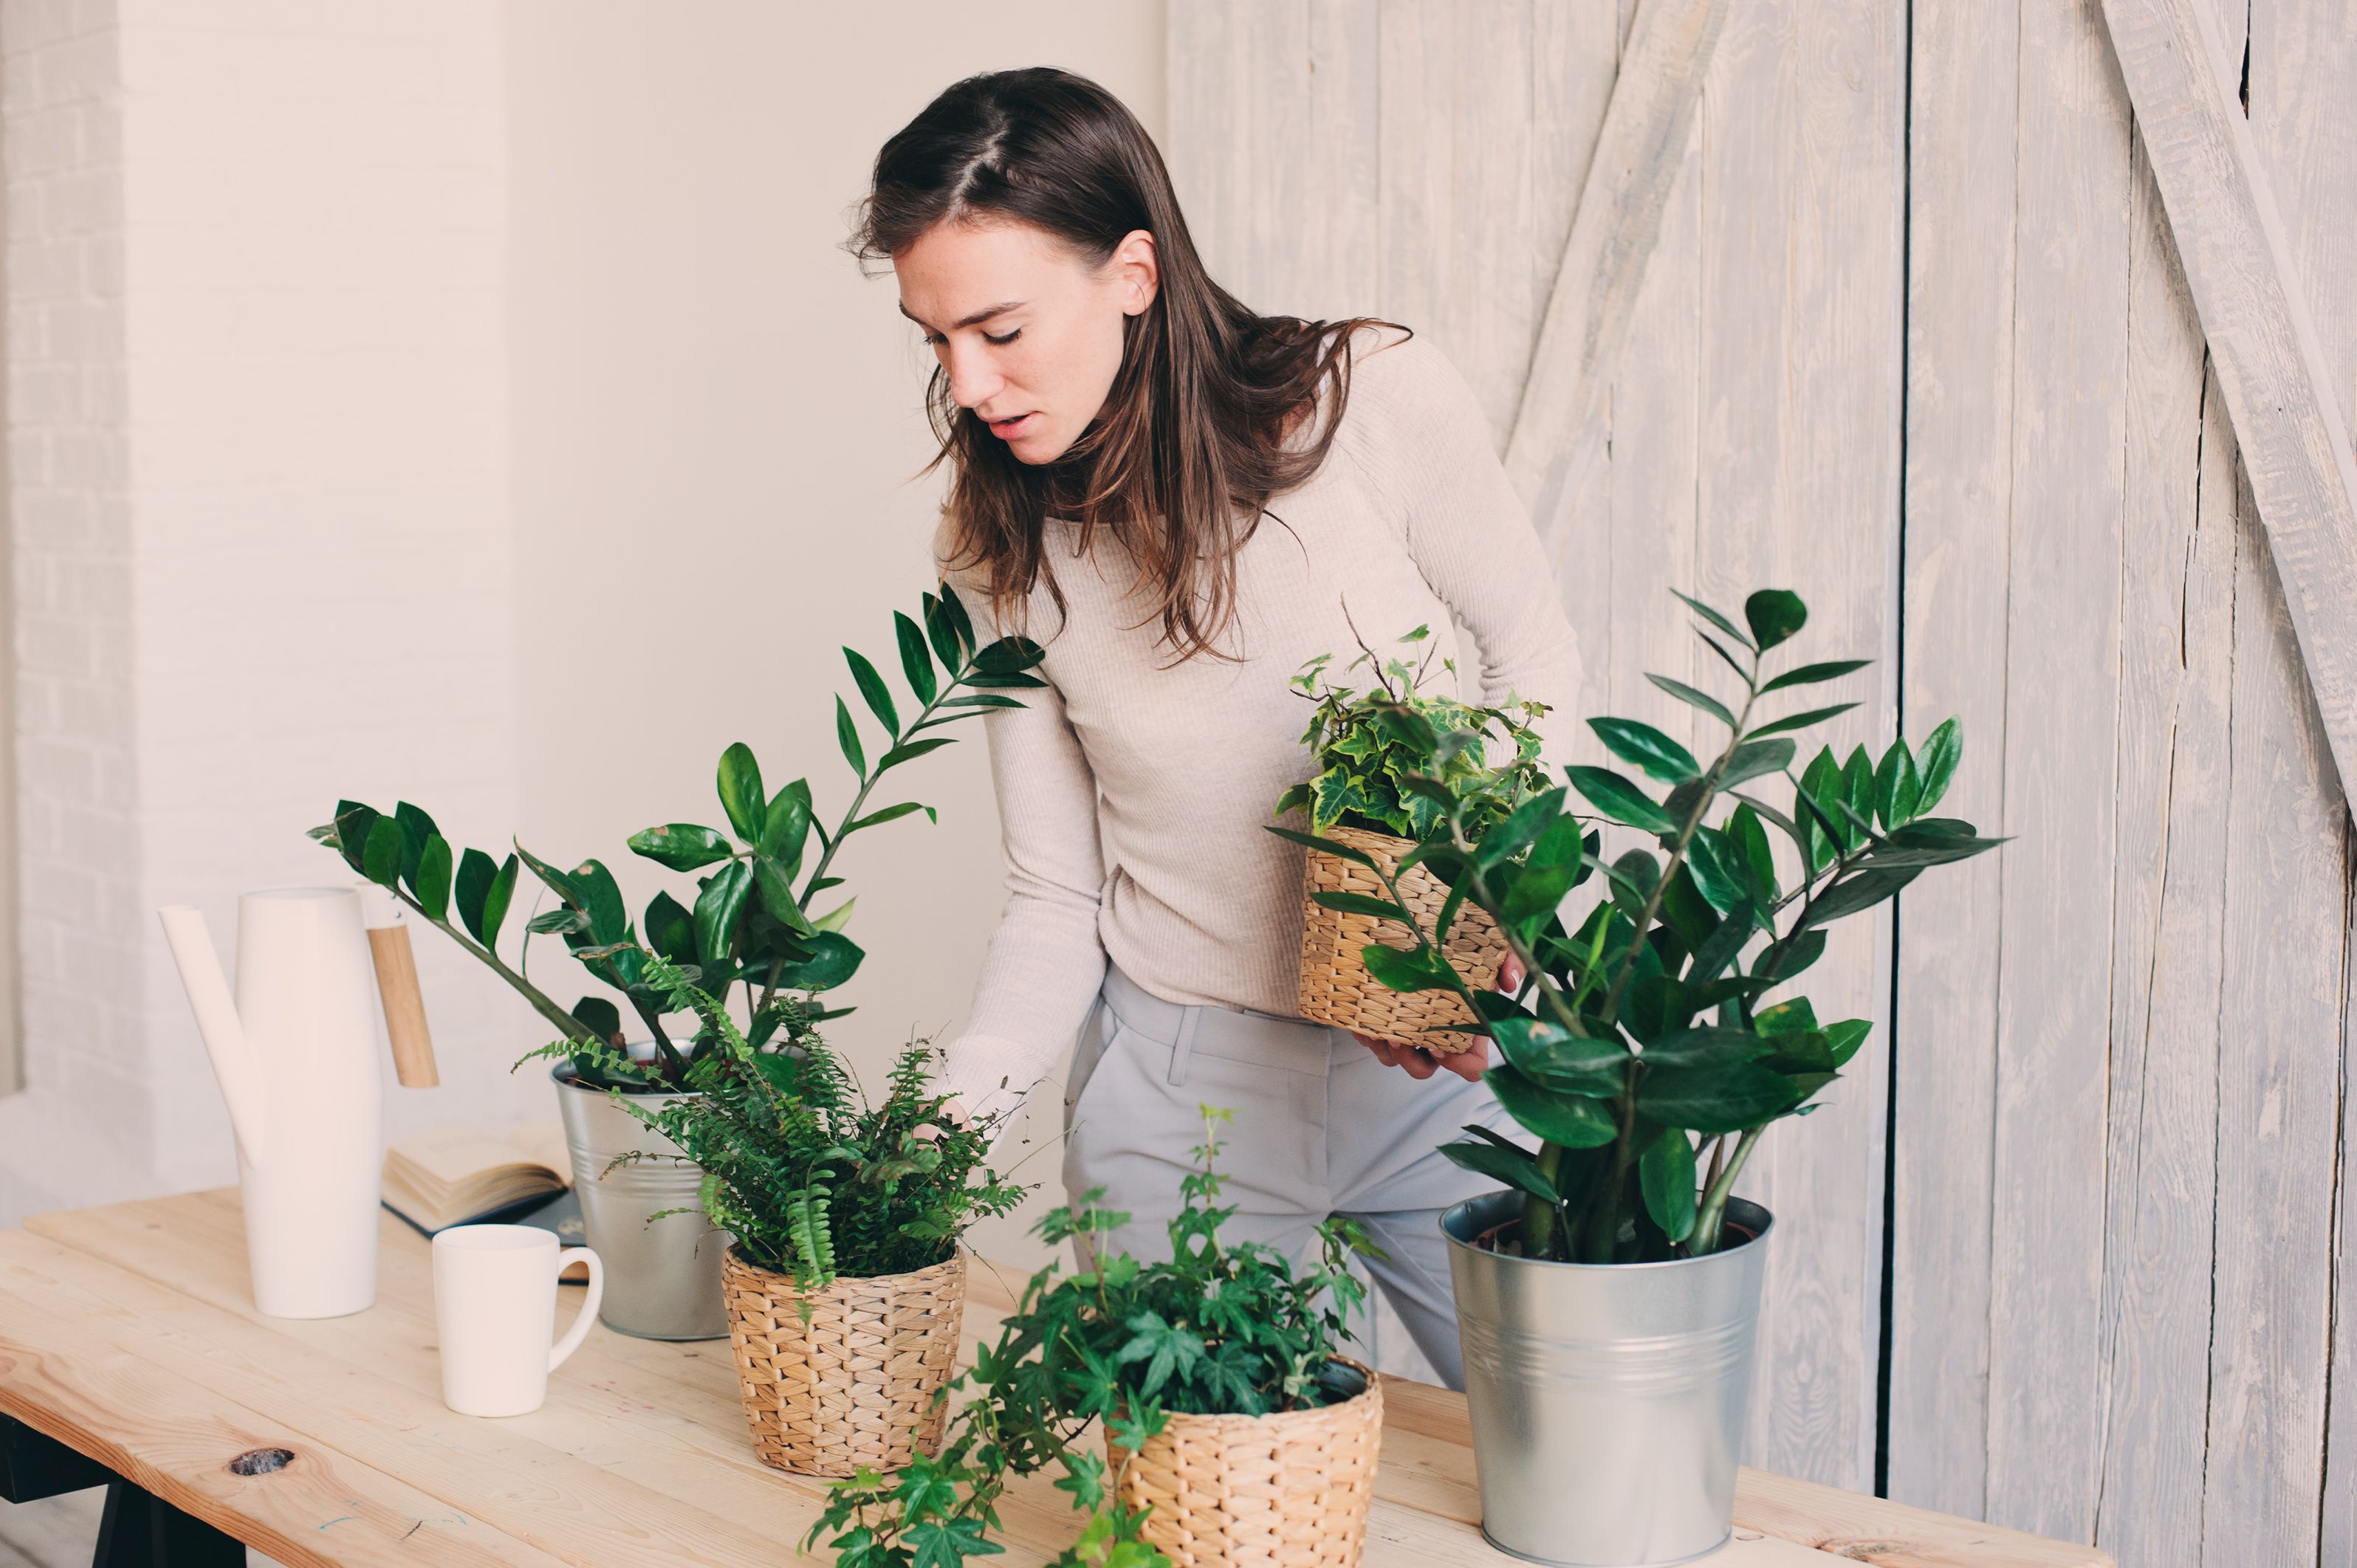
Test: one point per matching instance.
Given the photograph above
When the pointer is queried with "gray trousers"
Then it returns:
(1321, 1128)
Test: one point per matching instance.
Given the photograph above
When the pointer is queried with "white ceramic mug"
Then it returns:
(495, 1306)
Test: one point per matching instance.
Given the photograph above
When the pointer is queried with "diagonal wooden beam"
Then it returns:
(1559, 427)
(2278, 386)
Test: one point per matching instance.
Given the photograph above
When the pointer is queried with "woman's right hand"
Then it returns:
(1469, 1064)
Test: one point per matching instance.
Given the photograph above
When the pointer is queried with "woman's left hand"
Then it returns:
(1469, 1064)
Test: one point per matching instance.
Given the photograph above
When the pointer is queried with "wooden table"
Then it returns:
(128, 1334)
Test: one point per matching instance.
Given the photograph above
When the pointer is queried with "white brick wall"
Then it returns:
(255, 279)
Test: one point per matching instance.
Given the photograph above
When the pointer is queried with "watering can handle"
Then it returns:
(397, 988)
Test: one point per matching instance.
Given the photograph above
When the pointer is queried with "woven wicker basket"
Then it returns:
(1259, 1491)
(1335, 986)
(854, 1385)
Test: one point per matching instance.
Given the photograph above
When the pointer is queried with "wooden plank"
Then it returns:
(2176, 678)
(1802, 360)
(2061, 655)
(1338, 253)
(2289, 418)
(1557, 427)
(176, 1438)
(1238, 89)
(2278, 1088)
(1959, 479)
(356, 1378)
(2303, 78)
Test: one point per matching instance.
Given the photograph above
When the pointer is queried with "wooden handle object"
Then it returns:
(405, 1007)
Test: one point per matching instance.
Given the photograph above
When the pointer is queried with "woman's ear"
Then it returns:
(1137, 269)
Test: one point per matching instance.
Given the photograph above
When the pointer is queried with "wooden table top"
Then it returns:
(129, 1333)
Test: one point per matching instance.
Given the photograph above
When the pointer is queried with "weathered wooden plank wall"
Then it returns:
(1748, 444)
(2116, 1121)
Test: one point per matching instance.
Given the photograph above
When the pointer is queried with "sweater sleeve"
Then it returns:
(1469, 532)
(1045, 959)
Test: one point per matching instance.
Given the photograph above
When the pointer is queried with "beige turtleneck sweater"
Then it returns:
(1133, 793)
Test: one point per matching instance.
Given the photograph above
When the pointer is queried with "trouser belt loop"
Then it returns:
(1182, 1050)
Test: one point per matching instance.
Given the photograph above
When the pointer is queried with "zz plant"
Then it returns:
(811, 1180)
(1645, 1055)
(750, 920)
(1368, 743)
(1217, 1330)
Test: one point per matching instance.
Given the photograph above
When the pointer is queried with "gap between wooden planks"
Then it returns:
(136, 1319)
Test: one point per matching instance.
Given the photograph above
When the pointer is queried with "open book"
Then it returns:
(457, 1176)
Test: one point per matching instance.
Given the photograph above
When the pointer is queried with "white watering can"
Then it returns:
(297, 1057)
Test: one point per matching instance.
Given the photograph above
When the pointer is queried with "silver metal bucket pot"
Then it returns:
(1606, 1400)
(663, 1280)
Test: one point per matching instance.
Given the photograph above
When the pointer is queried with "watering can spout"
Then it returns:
(234, 1061)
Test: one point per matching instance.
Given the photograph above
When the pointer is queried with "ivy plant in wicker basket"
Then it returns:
(845, 1285)
(1234, 1430)
(1366, 745)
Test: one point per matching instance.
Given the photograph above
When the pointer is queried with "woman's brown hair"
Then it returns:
(1191, 447)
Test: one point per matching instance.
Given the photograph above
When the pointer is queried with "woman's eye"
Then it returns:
(1002, 342)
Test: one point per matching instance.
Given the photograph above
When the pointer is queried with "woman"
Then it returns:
(1179, 498)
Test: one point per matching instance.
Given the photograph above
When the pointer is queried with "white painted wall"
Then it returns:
(258, 487)
(461, 402)
(717, 422)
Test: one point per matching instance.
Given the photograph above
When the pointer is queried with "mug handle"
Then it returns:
(588, 1314)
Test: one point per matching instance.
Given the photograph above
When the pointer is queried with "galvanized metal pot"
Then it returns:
(1606, 1400)
(662, 1279)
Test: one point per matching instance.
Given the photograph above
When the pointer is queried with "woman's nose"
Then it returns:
(972, 380)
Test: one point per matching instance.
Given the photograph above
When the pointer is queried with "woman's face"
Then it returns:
(1029, 333)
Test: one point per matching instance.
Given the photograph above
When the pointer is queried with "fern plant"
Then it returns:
(813, 1181)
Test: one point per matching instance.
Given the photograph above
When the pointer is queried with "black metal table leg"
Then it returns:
(142, 1530)
(139, 1530)
(33, 1466)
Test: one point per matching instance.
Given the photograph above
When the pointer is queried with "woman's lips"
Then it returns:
(1008, 429)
